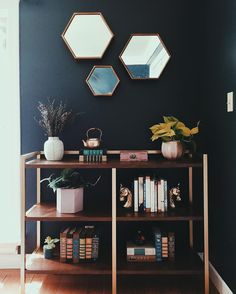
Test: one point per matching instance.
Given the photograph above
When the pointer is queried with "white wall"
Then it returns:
(9, 125)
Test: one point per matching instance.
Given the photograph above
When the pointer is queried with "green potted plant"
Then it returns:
(175, 137)
(48, 248)
(69, 187)
(53, 120)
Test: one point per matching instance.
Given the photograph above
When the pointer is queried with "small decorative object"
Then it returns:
(93, 142)
(53, 120)
(175, 195)
(126, 195)
(136, 155)
(48, 249)
(102, 80)
(93, 155)
(139, 238)
(175, 136)
(70, 189)
(145, 56)
(87, 35)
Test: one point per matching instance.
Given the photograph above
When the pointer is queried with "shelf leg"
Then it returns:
(22, 269)
(114, 282)
(38, 201)
(206, 242)
(190, 181)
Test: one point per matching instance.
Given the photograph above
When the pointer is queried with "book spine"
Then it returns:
(171, 240)
(152, 196)
(141, 258)
(158, 245)
(69, 248)
(144, 196)
(140, 193)
(82, 248)
(148, 194)
(164, 241)
(136, 195)
(88, 244)
(95, 247)
(62, 247)
(165, 196)
(75, 250)
(141, 251)
(159, 196)
(162, 196)
(155, 196)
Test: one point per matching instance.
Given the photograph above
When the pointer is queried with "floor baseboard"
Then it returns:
(10, 261)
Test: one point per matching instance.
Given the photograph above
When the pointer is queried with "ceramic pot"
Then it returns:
(53, 148)
(48, 253)
(172, 150)
(70, 200)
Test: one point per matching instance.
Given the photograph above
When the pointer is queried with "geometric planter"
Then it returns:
(70, 200)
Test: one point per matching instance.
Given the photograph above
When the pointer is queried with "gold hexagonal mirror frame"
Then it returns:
(145, 56)
(102, 80)
(87, 35)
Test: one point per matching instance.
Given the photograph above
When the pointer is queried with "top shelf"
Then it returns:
(115, 163)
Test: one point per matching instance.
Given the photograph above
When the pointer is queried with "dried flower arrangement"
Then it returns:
(54, 117)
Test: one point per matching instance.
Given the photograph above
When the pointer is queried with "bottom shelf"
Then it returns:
(187, 264)
(36, 263)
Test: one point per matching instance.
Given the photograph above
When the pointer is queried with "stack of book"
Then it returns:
(150, 195)
(93, 155)
(141, 253)
(79, 244)
(164, 244)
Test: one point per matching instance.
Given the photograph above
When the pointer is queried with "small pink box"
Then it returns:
(133, 155)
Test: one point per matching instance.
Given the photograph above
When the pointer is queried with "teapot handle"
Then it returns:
(94, 129)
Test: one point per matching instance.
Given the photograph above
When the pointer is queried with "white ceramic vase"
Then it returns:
(53, 148)
(172, 150)
(70, 200)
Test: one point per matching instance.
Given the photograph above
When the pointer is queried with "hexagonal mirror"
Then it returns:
(87, 35)
(145, 56)
(102, 80)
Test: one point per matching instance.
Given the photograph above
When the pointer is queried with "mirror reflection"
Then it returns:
(102, 80)
(145, 56)
(87, 35)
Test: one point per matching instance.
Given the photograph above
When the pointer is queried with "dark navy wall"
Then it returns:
(219, 134)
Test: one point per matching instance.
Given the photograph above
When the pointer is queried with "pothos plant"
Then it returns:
(69, 179)
(172, 129)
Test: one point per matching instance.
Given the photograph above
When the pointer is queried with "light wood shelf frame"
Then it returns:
(38, 155)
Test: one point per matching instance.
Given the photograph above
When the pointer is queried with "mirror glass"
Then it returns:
(145, 56)
(102, 80)
(87, 35)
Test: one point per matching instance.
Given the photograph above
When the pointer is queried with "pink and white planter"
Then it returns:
(172, 150)
(70, 200)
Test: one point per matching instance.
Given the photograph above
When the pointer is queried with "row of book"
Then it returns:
(150, 195)
(79, 244)
(162, 248)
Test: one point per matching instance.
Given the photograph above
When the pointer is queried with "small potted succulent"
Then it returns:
(175, 137)
(69, 187)
(54, 117)
(48, 248)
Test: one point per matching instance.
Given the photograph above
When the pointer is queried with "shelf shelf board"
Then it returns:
(37, 264)
(115, 163)
(48, 212)
(179, 214)
(187, 264)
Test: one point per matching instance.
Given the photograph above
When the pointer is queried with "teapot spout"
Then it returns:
(85, 144)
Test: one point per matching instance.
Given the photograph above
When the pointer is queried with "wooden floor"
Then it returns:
(45, 284)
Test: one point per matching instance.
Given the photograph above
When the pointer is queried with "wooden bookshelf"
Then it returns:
(114, 263)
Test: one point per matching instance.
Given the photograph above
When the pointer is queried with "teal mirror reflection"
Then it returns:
(145, 56)
(102, 80)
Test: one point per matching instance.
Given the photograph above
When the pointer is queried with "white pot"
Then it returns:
(172, 150)
(70, 200)
(53, 148)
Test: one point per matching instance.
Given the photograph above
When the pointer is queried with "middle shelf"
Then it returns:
(48, 212)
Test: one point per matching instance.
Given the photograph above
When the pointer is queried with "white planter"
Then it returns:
(54, 148)
(172, 150)
(70, 200)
